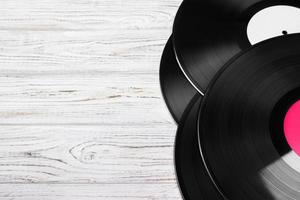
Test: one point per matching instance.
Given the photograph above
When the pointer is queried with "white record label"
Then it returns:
(272, 22)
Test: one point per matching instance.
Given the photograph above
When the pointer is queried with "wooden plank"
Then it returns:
(87, 154)
(89, 192)
(57, 52)
(91, 99)
(87, 15)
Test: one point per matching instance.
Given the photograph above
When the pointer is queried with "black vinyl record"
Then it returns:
(207, 34)
(193, 179)
(176, 89)
(241, 123)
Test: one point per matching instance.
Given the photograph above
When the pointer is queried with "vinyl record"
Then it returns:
(208, 33)
(176, 89)
(193, 179)
(249, 123)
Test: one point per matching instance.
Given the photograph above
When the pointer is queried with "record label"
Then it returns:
(292, 127)
(273, 21)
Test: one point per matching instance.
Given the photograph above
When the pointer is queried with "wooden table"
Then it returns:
(81, 111)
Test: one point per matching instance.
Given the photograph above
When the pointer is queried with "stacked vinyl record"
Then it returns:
(230, 76)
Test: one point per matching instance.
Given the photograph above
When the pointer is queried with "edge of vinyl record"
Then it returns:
(176, 90)
(178, 131)
(186, 74)
(189, 184)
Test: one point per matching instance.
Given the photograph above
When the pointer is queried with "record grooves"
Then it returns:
(207, 34)
(192, 176)
(232, 83)
(234, 122)
(176, 89)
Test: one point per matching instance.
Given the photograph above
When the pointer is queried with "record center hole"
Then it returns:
(292, 127)
(284, 32)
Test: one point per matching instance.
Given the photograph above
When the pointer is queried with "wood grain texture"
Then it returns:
(81, 112)
(88, 191)
(86, 154)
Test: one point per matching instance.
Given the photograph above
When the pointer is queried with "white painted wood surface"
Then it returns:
(81, 112)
